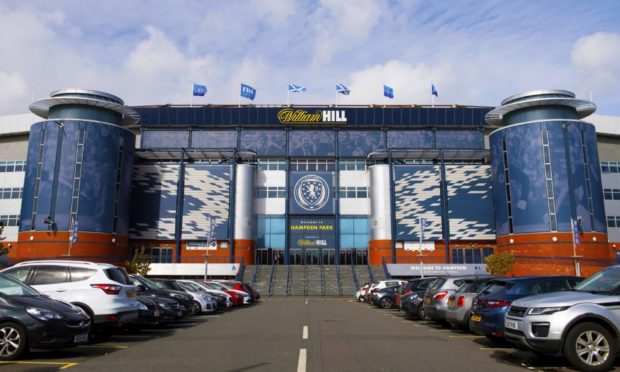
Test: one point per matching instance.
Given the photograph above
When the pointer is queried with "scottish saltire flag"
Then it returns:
(434, 90)
(340, 88)
(576, 226)
(388, 91)
(199, 90)
(294, 88)
(248, 92)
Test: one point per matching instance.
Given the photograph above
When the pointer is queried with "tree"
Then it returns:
(499, 264)
(140, 263)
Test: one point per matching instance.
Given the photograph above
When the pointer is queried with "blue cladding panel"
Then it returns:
(264, 142)
(65, 174)
(417, 195)
(165, 139)
(206, 195)
(47, 175)
(459, 139)
(98, 184)
(599, 223)
(210, 139)
(312, 143)
(499, 184)
(122, 224)
(559, 173)
(578, 175)
(410, 139)
(527, 179)
(34, 139)
(360, 143)
(470, 202)
(154, 196)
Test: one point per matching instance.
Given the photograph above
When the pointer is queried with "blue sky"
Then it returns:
(150, 52)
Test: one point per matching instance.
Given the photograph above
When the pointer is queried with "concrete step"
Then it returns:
(378, 273)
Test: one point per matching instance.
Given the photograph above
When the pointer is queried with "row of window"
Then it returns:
(274, 192)
(613, 221)
(611, 194)
(12, 166)
(11, 193)
(610, 167)
(9, 220)
(470, 255)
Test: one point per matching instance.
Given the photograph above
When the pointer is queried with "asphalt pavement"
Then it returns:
(293, 334)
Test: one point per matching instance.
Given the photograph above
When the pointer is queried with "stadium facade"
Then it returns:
(90, 177)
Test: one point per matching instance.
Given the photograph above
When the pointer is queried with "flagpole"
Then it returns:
(288, 96)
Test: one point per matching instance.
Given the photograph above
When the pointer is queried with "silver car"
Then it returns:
(459, 303)
(583, 325)
(437, 294)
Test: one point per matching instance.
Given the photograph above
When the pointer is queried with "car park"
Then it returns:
(412, 305)
(413, 286)
(146, 287)
(224, 300)
(239, 297)
(103, 291)
(460, 302)
(244, 287)
(490, 306)
(202, 301)
(376, 286)
(148, 313)
(29, 319)
(437, 294)
(360, 294)
(582, 325)
(385, 298)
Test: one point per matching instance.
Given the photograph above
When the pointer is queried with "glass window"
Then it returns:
(608, 194)
(78, 274)
(49, 275)
(605, 167)
(19, 273)
(117, 274)
(611, 221)
(616, 193)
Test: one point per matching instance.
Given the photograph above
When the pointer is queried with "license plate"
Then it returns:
(476, 318)
(512, 324)
(80, 338)
(130, 294)
(451, 302)
(427, 300)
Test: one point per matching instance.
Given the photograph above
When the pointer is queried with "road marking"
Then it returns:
(466, 336)
(497, 348)
(306, 301)
(301, 364)
(441, 330)
(212, 315)
(104, 346)
(305, 333)
(64, 365)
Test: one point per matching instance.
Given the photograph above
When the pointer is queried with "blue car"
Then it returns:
(489, 308)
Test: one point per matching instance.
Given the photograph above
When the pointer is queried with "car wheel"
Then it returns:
(12, 341)
(421, 314)
(386, 303)
(590, 347)
(196, 308)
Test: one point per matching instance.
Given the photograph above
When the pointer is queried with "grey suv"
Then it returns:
(583, 325)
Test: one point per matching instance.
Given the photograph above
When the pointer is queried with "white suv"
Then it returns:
(103, 291)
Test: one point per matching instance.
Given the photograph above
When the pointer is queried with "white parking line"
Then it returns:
(306, 301)
(301, 364)
(305, 333)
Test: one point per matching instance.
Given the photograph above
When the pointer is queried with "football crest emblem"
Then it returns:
(311, 192)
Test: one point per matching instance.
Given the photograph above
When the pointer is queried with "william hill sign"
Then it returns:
(298, 116)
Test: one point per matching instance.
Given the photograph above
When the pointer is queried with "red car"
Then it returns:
(237, 298)
(244, 287)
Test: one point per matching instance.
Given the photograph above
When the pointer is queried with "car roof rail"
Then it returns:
(23, 263)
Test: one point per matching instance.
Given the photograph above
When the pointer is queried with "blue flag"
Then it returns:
(295, 88)
(434, 90)
(388, 91)
(199, 90)
(248, 92)
(340, 88)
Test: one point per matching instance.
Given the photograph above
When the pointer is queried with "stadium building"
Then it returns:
(409, 188)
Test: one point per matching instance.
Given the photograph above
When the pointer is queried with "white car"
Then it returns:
(206, 301)
(103, 291)
(229, 301)
(376, 286)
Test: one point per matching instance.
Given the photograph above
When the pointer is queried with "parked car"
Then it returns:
(437, 294)
(29, 319)
(361, 293)
(239, 297)
(459, 303)
(169, 309)
(202, 301)
(376, 286)
(411, 286)
(244, 287)
(413, 304)
(103, 291)
(490, 306)
(147, 287)
(224, 300)
(148, 313)
(582, 325)
(385, 298)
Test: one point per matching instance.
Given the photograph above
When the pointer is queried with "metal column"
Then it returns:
(178, 228)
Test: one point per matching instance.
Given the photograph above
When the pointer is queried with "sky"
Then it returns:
(147, 52)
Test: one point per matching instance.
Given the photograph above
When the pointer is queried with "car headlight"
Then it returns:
(43, 314)
(545, 310)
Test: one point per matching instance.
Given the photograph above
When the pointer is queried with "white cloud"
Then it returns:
(275, 11)
(597, 58)
(13, 89)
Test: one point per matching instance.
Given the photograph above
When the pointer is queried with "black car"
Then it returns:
(148, 313)
(169, 309)
(412, 303)
(146, 287)
(29, 319)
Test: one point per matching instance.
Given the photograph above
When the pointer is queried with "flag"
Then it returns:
(340, 88)
(294, 88)
(199, 90)
(576, 226)
(434, 90)
(248, 92)
(388, 91)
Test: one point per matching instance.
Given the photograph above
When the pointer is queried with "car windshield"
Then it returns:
(149, 284)
(191, 287)
(466, 287)
(494, 287)
(12, 287)
(219, 286)
(605, 282)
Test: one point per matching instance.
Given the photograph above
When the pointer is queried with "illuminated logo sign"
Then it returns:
(311, 192)
(290, 116)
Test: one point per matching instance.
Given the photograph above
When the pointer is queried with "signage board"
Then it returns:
(312, 232)
(312, 193)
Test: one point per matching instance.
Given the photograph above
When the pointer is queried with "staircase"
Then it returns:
(248, 274)
(332, 286)
(377, 272)
(262, 279)
(280, 276)
(315, 286)
(297, 286)
(347, 281)
(362, 274)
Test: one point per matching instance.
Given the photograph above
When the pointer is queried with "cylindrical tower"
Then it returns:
(547, 189)
(78, 177)
(244, 213)
(380, 244)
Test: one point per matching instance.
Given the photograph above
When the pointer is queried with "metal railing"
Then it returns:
(256, 274)
(241, 272)
(288, 280)
(385, 269)
(357, 284)
(370, 274)
(273, 272)
(305, 280)
(322, 280)
(338, 280)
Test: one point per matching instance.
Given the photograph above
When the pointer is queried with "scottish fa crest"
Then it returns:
(311, 192)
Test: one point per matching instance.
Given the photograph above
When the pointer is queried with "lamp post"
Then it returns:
(209, 242)
(574, 224)
(422, 222)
